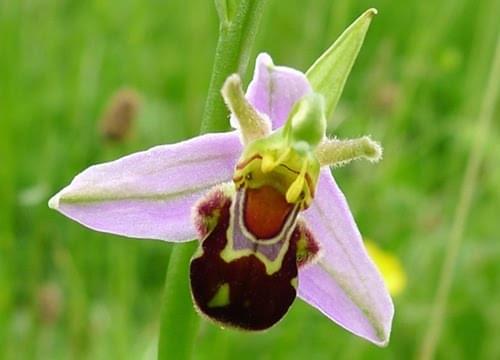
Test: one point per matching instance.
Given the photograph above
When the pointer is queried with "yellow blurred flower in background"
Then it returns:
(389, 265)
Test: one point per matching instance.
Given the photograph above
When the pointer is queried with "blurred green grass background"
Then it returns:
(69, 293)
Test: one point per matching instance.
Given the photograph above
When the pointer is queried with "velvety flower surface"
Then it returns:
(272, 224)
(151, 195)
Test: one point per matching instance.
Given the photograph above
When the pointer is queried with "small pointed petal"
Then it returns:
(251, 124)
(275, 89)
(150, 194)
(337, 152)
(329, 73)
(345, 284)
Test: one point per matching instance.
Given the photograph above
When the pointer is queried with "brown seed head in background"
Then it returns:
(49, 302)
(118, 118)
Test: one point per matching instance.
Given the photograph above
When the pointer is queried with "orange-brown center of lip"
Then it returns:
(265, 211)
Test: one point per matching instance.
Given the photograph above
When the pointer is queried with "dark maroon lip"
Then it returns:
(257, 300)
(259, 278)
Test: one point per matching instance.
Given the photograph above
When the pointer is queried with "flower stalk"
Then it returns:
(239, 21)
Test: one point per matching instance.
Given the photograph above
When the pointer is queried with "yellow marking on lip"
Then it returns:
(229, 254)
(221, 297)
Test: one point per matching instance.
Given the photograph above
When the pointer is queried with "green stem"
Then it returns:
(178, 319)
(236, 36)
(238, 28)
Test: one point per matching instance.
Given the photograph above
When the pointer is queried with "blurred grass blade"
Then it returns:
(465, 202)
(329, 73)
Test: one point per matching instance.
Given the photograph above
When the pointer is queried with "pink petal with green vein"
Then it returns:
(344, 285)
(150, 194)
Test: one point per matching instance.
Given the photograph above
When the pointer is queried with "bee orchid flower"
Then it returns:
(271, 221)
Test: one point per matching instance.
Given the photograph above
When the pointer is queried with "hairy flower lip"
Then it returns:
(344, 285)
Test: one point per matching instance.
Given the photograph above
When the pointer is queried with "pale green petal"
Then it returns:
(329, 73)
